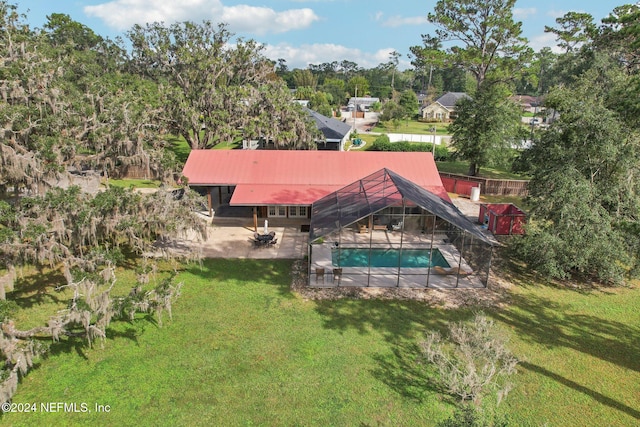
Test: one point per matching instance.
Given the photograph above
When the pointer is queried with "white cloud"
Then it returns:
(544, 40)
(318, 53)
(524, 13)
(557, 13)
(263, 20)
(123, 14)
(399, 21)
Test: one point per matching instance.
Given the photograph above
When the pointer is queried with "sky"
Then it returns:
(307, 31)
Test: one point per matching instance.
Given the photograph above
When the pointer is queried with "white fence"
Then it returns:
(396, 137)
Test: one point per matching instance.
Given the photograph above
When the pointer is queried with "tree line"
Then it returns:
(584, 192)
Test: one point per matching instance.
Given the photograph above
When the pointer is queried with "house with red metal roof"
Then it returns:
(358, 205)
(285, 183)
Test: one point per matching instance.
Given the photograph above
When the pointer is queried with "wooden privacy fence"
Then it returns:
(461, 184)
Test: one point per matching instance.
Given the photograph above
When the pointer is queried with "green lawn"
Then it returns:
(414, 127)
(462, 167)
(133, 183)
(181, 147)
(243, 350)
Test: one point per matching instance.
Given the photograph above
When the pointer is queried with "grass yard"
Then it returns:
(181, 148)
(414, 127)
(133, 183)
(243, 350)
(462, 167)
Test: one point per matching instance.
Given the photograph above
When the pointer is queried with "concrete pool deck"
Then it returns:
(234, 239)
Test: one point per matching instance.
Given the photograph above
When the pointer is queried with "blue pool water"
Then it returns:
(357, 257)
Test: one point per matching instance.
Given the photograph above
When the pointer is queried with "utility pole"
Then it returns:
(433, 147)
(355, 108)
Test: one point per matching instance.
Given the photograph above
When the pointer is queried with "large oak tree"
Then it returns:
(210, 85)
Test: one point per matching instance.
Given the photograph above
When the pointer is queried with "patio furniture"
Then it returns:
(263, 240)
(451, 271)
(398, 226)
(319, 274)
(337, 274)
(266, 237)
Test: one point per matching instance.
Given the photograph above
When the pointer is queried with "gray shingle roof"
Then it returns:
(331, 128)
(449, 99)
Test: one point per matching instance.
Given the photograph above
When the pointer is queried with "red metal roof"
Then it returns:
(288, 177)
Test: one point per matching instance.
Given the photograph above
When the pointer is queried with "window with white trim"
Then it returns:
(277, 211)
(298, 211)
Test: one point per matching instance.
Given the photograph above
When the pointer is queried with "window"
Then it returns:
(298, 211)
(277, 211)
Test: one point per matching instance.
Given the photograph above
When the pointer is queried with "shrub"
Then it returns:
(468, 416)
(7, 309)
(472, 362)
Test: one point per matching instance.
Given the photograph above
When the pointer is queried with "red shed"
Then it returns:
(502, 218)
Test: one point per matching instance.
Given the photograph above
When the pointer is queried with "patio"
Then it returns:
(233, 238)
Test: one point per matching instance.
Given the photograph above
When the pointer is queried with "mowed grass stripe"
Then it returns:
(240, 350)
(243, 350)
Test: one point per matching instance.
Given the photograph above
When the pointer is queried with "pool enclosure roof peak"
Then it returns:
(375, 192)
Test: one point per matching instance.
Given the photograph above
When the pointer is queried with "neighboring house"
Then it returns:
(361, 103)
(336, 133)
(529, 104)
(444, 108)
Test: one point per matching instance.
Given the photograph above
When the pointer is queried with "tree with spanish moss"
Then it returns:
(69, 104)
(84, 237)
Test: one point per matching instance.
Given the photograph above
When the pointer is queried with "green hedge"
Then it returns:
(382, 143)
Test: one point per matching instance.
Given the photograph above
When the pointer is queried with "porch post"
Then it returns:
(464, 233)
(255, 219)
(220, 195)
(210, 202)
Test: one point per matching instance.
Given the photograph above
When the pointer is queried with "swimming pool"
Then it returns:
(377, 257)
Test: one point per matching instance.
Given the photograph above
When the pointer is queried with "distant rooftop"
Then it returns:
(332, 129)
(365, 100)
(449, 99)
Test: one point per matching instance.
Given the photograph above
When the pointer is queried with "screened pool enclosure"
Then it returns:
(385, 231)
